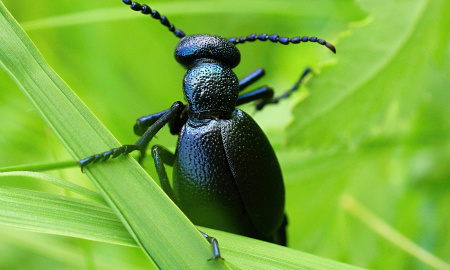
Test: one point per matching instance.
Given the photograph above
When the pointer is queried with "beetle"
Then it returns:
(225, 172)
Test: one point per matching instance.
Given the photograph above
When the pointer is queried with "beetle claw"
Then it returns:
(215, 246)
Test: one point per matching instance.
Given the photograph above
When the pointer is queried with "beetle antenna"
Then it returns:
(144, 9)
(283, 40)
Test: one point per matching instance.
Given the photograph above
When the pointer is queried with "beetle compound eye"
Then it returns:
(283, 40)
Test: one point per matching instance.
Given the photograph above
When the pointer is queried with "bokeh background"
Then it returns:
(367, 136)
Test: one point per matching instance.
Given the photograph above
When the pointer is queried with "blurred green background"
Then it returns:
(372, 125)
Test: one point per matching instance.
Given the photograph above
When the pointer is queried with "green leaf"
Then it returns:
(381, 79)
(58, 182)
(155, 223)
(48, 213)
(391, 155)
(375, 125)
(59, 252)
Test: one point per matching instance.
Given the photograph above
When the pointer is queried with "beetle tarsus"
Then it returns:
(113, 153)
(215, 246)
(295, 87)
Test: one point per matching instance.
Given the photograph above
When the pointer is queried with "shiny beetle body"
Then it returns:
(225, 173)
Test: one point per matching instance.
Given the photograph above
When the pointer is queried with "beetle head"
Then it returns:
(194, 47)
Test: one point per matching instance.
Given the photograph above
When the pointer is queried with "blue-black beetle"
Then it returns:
(225, 173)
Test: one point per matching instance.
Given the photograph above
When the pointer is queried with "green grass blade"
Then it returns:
(155, 223)
(19, 208)
(57, 249)
(60, 183)
(47, 166)
(382, 228)
(48, 213)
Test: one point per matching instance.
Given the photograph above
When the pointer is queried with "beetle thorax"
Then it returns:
(211, 88)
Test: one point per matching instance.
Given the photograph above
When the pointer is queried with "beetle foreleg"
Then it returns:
(113, 153)
(144, 122)
(141, 144)
(174, 111)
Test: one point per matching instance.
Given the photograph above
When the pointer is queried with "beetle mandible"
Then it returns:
(225, 173)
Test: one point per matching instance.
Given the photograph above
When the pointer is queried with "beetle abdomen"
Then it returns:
(203, 182)
(255, 167)
(220, 187)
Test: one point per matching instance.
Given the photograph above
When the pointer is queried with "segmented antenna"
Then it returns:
(282, 40)
(144, 9)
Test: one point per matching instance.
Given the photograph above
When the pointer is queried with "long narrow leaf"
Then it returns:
(41, 212)
(49, 213)
(58, 182)
(155, 223)
(57, 249)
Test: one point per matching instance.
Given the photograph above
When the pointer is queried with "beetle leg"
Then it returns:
(214, 244)
(263, 93)
(163, 156)
(141, 144)
(251, 78)
(177, 122)
(260, 105)
(144, 122)
(113, 153)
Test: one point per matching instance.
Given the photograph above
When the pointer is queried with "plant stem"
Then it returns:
(379, 226)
